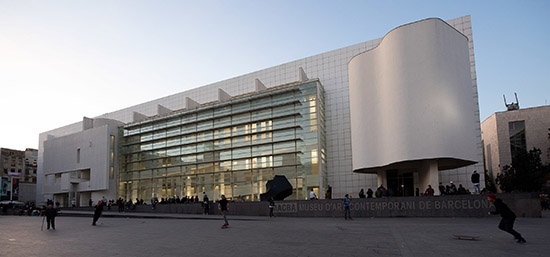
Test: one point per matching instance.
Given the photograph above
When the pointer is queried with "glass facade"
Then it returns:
(231, 148)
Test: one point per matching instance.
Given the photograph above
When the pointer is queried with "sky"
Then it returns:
(63, 60)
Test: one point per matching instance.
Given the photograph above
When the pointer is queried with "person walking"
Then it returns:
(346, 201)
(271, 206)
(312, 195)
(328, 194)
(206, 204)
(97, 212)
(508, 217)
(475, 181)
(50, 216)
(223, 206)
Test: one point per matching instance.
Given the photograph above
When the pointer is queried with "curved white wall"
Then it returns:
(411, 99)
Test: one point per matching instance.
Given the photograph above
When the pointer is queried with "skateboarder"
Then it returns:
(508, 217)
(223, 206)
(97, 212)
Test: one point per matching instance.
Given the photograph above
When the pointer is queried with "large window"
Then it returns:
(518, 143)
(232, 147)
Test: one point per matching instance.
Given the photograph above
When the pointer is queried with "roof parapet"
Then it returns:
(259, 86)
(223, 96)
(161, 110)
(87, 123)
(190, 103)
(302, 75)
(136, 116)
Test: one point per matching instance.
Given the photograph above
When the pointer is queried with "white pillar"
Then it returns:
(428, 174)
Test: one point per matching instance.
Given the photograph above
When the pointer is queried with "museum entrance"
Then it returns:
(400, 183)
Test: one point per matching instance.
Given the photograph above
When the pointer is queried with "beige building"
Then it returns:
(505, 133)
(18, 174)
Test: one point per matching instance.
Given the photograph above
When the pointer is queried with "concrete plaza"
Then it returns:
(196, 235)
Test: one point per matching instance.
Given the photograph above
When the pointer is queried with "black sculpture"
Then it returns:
(279, 188)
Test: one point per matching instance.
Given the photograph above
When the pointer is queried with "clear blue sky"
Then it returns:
(62, 60)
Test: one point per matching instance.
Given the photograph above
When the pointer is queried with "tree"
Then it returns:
(526, 174)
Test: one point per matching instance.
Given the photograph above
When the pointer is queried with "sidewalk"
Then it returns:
(157, 234)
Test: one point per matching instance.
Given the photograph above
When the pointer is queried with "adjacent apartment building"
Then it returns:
(506, 133)
(18, 174)
(399, 111)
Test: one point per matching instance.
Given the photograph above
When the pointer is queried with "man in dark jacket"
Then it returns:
(50, 216)
(475, 182)
(97, 212)
(508, 217)
(223, 206)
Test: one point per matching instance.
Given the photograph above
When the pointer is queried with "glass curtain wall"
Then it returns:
(231, 148)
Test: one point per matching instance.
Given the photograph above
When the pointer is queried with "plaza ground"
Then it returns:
(197, 235)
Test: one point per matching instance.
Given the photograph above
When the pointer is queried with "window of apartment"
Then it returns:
(78, 155)
(518, 143)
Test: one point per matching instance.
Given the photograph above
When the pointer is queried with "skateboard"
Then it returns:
(464, 237)
(225, 226)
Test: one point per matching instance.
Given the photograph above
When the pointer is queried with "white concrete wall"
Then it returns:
(411, 98)
(331, 69)
(60, 157)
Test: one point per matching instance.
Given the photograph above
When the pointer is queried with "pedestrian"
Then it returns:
(442, 190)
(97, 212)
(346, 201)
(223, 206)
(362, 193)
(369, 193)
(475, 181)
(452, 188)
(461, 190)
(90, 202)
(50, 216)
(429, 191)
(312, 195)
(508, 217)
(206, 204)
(328, 195)
(120, 204)
(271, 206)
